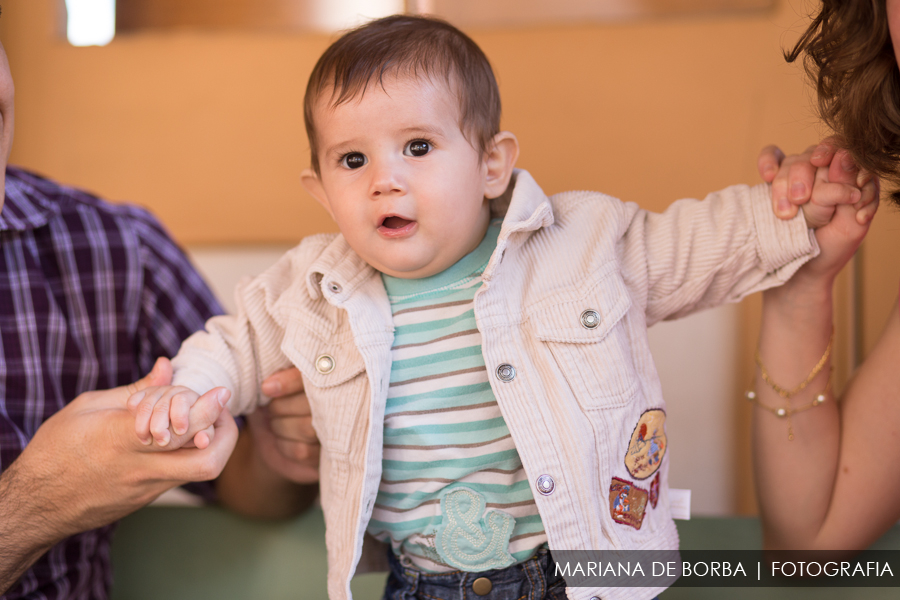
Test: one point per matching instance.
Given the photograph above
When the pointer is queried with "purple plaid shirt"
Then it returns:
(90, 294)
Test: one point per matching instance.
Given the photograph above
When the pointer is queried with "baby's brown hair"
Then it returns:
(404, 45)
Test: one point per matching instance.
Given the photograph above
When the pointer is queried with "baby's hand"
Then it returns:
(156, 408)
(798, 179)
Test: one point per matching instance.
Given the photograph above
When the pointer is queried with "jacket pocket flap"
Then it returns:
(585, 316)
(325, 363)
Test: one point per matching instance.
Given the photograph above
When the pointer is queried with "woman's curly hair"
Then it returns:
(850, 57)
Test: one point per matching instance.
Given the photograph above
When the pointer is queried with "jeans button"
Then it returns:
(482, 586)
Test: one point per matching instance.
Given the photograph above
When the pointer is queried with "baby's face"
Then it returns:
(403, 183)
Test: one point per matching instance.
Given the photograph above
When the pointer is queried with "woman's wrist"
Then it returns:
(806, 299)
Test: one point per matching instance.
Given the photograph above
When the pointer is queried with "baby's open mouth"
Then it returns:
(395, 222)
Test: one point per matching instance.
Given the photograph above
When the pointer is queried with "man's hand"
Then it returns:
(85, 468)
(283, 431)
(274, 470)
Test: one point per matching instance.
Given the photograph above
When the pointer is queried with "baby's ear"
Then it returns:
(500, 161)
(312, 184)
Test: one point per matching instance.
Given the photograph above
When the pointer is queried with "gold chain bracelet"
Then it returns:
(787, 394)
(788, 411)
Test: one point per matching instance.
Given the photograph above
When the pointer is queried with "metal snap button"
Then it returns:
(325, 364)
(590, 318)
(546, 485)
(482, 586)
(335, 287)
(506, 372)
(595, 597)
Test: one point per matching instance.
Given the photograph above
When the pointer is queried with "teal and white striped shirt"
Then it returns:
(453, 493)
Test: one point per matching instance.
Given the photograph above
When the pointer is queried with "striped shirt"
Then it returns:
(90, 294)
(445, 440)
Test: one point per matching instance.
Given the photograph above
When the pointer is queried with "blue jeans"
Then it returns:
(532, 579)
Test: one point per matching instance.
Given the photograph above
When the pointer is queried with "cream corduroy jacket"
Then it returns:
(577, 394)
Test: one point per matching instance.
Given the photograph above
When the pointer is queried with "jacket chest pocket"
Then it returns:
(584, 334)
(334, 375)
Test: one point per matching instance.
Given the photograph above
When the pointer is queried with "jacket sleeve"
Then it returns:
(699, 254)
(238, 351)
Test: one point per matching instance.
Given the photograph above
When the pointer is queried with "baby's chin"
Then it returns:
(409, 269)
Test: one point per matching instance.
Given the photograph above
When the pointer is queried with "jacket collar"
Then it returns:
(24, 207)
(525, 209)
(339, 270)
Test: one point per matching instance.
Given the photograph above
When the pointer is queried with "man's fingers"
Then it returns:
(203, 439)
(297, 451)
(283, 383)
(768, 162)
(289, 406)
(298, 429)
(192, 464)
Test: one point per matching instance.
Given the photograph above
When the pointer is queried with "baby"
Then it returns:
(474, 352)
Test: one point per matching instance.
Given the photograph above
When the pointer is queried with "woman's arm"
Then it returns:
(835, 485)
(864, 499)
(815, 491)
(794, 478)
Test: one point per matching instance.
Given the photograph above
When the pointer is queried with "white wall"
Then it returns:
(696, 358)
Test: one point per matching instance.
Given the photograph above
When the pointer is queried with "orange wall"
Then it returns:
(207, 129)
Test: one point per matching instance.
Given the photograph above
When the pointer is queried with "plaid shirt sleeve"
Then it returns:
(175, 301)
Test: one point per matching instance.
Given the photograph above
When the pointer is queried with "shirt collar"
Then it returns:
(25, 206)
(339, 270)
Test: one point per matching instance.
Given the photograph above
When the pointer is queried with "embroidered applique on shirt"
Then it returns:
(627, 503)
(648, 444)
(469, 538)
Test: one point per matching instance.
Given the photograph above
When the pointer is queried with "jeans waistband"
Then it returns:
(533, 579)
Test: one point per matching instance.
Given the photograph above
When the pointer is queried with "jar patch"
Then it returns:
(627, 503)
(648, 444)
(654, 491)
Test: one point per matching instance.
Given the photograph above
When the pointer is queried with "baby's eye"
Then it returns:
(353, 160)
(417, 148)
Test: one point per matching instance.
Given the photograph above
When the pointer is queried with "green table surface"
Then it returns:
(198, 553)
